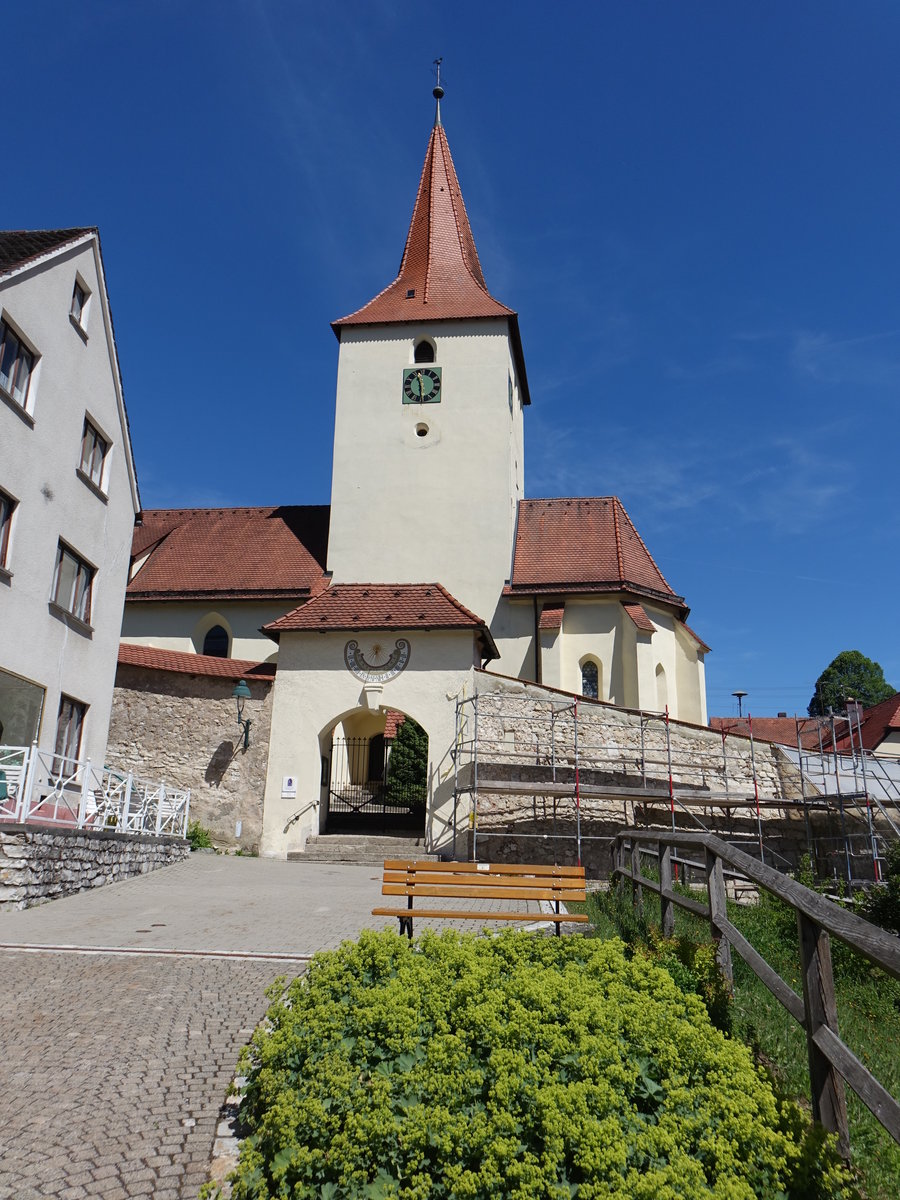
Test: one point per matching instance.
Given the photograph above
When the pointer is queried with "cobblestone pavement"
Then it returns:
(114, 1067)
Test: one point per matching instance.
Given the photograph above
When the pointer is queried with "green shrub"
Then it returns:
(199, 836)
(406, 782)
(516, 1066)
(881, 904)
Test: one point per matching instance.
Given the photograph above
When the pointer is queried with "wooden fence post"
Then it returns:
(829, 1100)
(637, 892)
(666, 908)
(715, 883)
(618, 864)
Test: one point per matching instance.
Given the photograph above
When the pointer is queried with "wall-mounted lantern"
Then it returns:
(241, 694)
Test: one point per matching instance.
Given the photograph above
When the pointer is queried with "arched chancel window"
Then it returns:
(424, 352)
(590, 680)
(662, 688)
(215, 644)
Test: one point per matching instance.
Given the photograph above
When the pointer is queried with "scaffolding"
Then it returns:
(567, 771)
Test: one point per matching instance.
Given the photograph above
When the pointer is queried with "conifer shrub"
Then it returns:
(406, 782)
(516, 1066)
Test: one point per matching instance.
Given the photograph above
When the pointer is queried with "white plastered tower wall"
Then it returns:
(314, 691)
(77, 376)
(406, 506)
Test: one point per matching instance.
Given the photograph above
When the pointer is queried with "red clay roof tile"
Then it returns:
(782, 730)
(552, 616)
(638, 614)
(583, 545)
(239, 553)
(345, 606)
(699, 640)
(440, 276)
(877, 722)
(193, 664)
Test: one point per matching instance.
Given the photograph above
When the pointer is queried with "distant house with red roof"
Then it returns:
(429, 561)
(876, 729)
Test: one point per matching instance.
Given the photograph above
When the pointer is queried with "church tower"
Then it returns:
(431, 386)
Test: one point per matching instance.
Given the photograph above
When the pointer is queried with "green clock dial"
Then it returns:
(421, 385)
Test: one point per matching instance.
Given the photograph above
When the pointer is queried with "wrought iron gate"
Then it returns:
(363, 794)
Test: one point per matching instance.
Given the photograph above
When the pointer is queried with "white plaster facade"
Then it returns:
(428, 491)
(315, 692)
(76, 377)
(183, 626)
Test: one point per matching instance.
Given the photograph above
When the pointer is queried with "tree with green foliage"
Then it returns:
(850, 674)
(407, 769)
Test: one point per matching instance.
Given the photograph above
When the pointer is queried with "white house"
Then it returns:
(68, 493)
(429, 563)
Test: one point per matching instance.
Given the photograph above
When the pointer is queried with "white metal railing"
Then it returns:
(39, 787)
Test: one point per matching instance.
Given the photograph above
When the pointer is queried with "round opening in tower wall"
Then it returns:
(421, 429)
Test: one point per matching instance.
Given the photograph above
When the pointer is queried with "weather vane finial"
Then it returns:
(438, 91)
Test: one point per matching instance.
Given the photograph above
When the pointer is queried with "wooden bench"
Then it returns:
(480, 881)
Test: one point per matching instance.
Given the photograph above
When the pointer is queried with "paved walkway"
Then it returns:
(123, 1010)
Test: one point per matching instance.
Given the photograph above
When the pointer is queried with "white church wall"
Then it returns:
(690, 680)
(512, 628)
(592, 629)
(314, 690)
(433, 508)
(180, 625)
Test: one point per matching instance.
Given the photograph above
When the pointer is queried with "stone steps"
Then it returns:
(362, 848)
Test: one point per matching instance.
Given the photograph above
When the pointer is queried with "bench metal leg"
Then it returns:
(406, 922)
(557, 923)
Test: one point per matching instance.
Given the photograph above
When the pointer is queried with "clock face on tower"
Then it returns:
(421, 385)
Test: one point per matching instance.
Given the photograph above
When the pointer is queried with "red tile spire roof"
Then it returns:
(440, 276)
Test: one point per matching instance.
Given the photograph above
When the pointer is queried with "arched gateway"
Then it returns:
(352, 663)
(374, 774)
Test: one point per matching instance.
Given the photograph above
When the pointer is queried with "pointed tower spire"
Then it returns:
(440, 277)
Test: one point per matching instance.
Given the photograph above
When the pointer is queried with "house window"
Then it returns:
(16, 365)
(79, 304)
(215, 644)
(94, 449)
(7, 507)
(590, 681)
(424, 352)
(73, 581)
(69, 727)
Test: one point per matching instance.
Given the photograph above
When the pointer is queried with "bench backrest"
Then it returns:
(490, 881)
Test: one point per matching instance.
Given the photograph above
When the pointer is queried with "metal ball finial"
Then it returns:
(438, 91)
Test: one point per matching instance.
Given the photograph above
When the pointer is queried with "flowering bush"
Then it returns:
(515, 1066)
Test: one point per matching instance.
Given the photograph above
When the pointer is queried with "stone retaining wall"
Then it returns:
(526, 734)
(38, 864)
(183, 728)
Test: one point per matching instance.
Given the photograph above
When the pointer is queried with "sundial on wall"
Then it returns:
(376, 660)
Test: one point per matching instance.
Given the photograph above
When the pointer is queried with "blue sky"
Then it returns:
(692, 206)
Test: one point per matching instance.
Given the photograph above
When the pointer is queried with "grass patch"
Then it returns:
(868, 1003)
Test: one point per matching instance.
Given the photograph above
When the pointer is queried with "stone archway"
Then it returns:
(374, 773)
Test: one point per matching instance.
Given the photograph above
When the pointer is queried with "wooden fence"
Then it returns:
(831, 1062)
